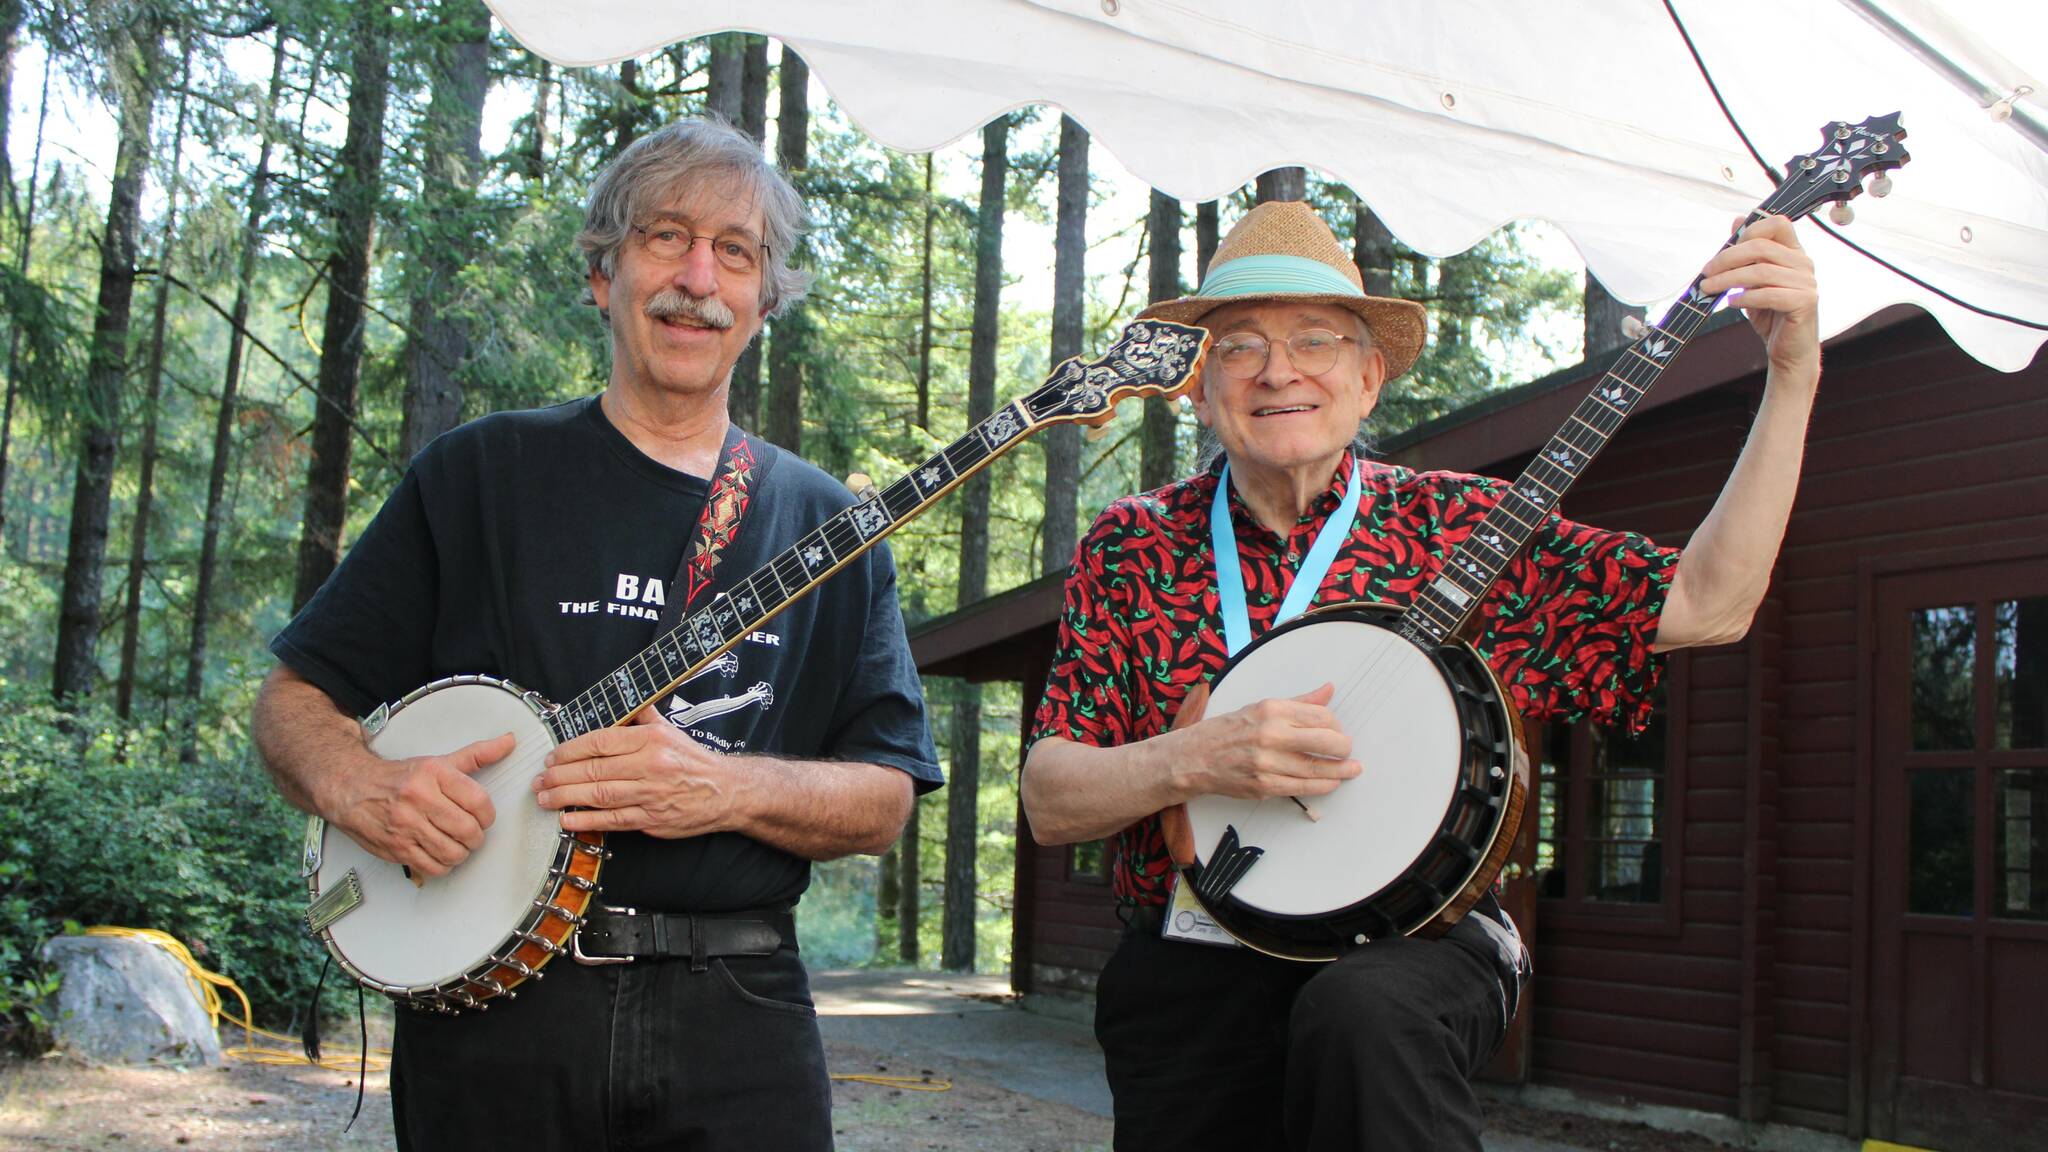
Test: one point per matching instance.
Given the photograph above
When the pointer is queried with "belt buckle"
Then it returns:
(577, 953)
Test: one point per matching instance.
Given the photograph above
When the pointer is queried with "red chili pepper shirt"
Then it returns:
(1567, 628)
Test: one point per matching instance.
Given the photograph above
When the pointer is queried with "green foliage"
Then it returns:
(115, 830)
(103, 825)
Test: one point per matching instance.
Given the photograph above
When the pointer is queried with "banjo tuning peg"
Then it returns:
(1841, 213)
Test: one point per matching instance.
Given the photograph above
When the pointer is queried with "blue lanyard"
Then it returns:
(1237, 628)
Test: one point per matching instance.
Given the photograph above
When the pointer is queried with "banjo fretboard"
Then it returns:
(1153, 357)
(703, 635)
(1447, 602)
(1832, 173)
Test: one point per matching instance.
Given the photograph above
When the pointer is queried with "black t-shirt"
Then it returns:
(538, 546)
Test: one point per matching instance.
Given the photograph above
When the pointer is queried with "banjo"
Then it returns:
(1411, 846)
(456, 941)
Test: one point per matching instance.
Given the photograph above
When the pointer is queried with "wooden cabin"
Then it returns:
(1816, 892)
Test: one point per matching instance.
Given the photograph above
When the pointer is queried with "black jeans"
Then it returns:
(647, 1055)
(1225, 1048)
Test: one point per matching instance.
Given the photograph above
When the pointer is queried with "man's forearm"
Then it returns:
(1726, 567)
(824, 809)
(1074, 792)
(304, 741)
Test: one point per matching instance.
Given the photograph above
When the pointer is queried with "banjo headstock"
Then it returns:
(1834, 172)
(1150, 358)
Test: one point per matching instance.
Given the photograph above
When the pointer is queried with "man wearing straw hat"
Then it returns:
(1223, 1047)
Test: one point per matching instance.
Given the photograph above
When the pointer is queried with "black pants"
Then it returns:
(647, 1055)
(1225, 1048)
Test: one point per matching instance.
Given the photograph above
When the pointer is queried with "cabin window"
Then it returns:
(1603, 812)
(1979, 687)
(1088, 861)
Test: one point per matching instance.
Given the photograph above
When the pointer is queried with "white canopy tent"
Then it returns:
(1451, 118)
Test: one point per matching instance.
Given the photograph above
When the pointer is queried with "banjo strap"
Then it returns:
(744, 461)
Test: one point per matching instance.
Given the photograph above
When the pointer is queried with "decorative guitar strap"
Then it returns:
(743, 460)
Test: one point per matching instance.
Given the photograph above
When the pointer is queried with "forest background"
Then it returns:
(252, 257)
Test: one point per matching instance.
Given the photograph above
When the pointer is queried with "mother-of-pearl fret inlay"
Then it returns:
(869, 518)
(1001, 428)
(814, 557)
(929, 478)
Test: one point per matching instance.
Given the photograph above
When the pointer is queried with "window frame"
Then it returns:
(1575, 910)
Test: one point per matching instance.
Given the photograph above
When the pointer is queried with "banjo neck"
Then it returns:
(1150, 358)
(1449, 602)
(1833, 173)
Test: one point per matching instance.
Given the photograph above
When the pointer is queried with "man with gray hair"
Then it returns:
(538, 547)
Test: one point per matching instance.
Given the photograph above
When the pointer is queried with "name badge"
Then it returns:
(1185, 919)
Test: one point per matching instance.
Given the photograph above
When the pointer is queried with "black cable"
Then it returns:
(1880, 261)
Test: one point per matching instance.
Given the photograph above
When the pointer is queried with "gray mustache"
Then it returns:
(670, 304)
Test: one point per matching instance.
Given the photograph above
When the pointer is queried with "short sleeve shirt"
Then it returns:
(540, 546)
(1568, 628)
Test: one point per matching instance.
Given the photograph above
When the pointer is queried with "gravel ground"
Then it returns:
(1019, 1083)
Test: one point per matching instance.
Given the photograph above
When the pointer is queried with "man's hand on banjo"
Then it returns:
(426, 812)
(1286, 746)
(646, 776)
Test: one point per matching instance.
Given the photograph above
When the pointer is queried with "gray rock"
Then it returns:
(126, 1001)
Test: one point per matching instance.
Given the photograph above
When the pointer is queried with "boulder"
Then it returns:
(127, 1001)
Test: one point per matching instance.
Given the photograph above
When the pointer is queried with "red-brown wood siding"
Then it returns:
(1913, 447)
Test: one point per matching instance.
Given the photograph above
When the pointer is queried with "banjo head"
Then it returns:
(432, 937)
(1389, 849)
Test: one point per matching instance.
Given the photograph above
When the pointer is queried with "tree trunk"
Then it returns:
(1207, 236)
(1157, 443)
(753, 117)
(139, 63)
(924, 327)
(145, 486)
(1372, 249)
(1457, 287)
(963, 788)
(783, 423)
(536, 165)
(26, 220)
(1283, 184)
(886, 898)
(1605, 319)
(354, 197)
(625, 114)
(909, 876)
(10, 37)
(743, 403)
(452, 151)
(1069, 316)
(224, 420)
(724, 75)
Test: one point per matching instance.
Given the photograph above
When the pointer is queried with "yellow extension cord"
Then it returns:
(207, 985)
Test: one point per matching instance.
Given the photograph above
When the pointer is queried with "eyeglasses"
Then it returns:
(1312, 351)
(669, 243)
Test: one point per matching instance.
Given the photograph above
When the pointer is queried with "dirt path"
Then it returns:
(51, 1105)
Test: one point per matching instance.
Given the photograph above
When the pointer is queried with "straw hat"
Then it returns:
(1281, 251)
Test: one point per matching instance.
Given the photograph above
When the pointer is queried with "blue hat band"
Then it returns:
(1271, 275)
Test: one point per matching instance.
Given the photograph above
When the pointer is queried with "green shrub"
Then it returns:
(103, 824)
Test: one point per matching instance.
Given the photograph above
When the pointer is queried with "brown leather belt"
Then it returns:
(622, 935)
